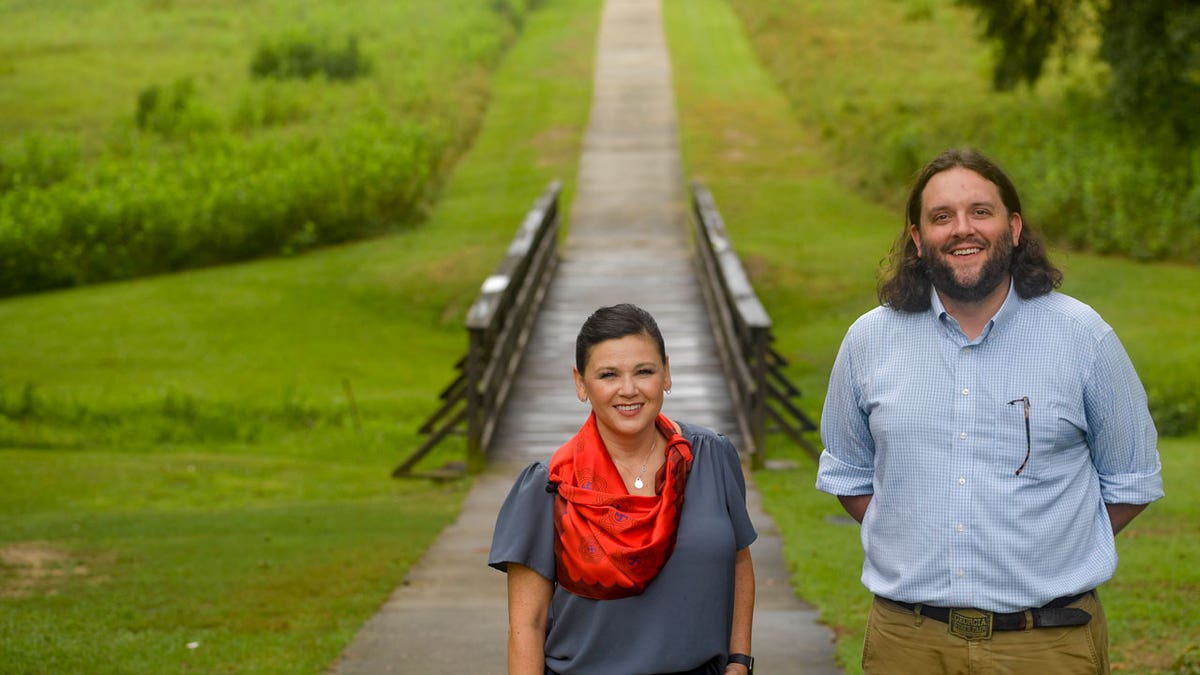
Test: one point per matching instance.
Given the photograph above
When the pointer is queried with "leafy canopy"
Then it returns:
(1151, 46)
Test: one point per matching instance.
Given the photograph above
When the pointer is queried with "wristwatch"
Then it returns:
(744, 660)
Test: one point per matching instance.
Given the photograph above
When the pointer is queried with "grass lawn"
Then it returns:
(199, 560)
(813, 243)
(197, 465)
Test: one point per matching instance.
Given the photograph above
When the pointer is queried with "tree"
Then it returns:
(1151, 46)
(1153, 49)
(1025, 33)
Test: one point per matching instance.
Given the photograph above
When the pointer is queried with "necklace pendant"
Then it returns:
(637, 483)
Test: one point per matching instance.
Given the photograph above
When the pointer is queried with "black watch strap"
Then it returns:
(744, 660)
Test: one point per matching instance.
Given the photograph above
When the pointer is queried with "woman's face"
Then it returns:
(624, 379)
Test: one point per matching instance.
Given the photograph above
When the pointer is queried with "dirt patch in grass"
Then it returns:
(756, 265)
(32, 568)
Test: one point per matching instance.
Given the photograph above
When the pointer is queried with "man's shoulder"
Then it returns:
(884, 319)
(1070, 312)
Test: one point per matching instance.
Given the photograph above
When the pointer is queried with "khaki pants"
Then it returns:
(900, 642)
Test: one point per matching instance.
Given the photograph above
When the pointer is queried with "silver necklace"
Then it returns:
(637, 481)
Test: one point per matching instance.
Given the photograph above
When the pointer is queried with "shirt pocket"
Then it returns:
(1045, 450)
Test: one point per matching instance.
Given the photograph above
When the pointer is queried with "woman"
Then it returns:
(628, 552)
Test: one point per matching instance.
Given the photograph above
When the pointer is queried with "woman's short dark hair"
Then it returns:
(614, 323)
(905, 285)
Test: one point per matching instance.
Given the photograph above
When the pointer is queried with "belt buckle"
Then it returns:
(970, 624)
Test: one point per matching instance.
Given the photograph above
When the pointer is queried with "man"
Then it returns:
(991, 436)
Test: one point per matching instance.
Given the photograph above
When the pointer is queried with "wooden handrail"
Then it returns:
(742, 330)
(498, 326)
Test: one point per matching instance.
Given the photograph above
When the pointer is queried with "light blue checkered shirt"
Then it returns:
(919, 416)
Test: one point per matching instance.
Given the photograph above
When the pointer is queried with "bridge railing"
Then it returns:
(498, 326)
(761, 392)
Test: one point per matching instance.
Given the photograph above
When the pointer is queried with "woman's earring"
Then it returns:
(667, 392)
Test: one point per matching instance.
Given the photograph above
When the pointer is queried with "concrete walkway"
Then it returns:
(628, 242)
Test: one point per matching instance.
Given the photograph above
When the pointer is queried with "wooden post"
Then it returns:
(759, 338)
(476, 363)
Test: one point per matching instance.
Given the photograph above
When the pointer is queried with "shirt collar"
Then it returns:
(998, 320)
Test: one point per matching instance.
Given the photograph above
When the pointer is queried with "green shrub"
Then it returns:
(217, 202)
(23, 406)
(1176, 410)
(30, 419)
(1095, 187)
(919, 10)
(174, 111)
(304, 57)
(270, 104)
(38, 161)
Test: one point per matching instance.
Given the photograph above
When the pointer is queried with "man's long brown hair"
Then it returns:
(905, 285)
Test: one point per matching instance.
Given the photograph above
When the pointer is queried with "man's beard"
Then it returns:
(994, 270)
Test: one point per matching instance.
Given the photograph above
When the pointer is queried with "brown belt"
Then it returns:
(974, 624)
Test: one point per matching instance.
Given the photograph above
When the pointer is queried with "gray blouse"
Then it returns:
(684, 617)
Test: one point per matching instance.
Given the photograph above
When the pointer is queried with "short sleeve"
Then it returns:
(524, 531)
(744, 533)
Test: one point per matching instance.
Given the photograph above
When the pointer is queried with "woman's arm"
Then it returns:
(529, 596)
(743, 609)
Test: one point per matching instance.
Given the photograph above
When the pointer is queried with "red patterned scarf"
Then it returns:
(611, 544)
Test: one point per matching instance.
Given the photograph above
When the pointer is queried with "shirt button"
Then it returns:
(963, 435)
(960, 527)
(966, 392)
(962, 481)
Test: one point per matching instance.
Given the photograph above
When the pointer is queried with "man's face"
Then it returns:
(966, 235)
